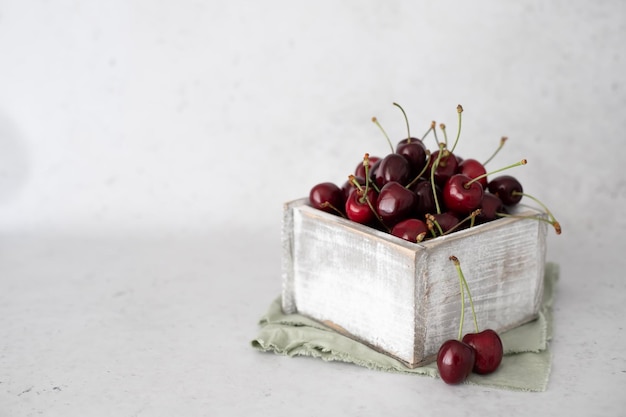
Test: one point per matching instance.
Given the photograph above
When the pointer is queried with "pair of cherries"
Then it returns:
(480, 352)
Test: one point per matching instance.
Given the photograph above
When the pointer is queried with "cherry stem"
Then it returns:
(432, 126)
(459, 110)
(432, 176)
(375, 120)
(445, 134)
(436, 138)
(480, 177)
(366, 167)
(354, 182)
(462, 321)
(328, 204)
(457, 265)
(556, 225)
(552, 221)
(503, 140)
(368, 181)
(406, 120)
(431, 222)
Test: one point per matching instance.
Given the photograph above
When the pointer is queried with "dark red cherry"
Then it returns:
(473, 169)
(414, 151)
(359, 171)
(413, 230)
(489, 350)
(393, 167)
(446, 167)
(455, 361)
(327, 196)
(460, 196)
(446, 221)
(489, 208)
(505, 187)
(425, 198)
(395, 203)
(357, 207)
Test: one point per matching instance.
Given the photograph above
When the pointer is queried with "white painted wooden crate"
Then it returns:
(403, 298)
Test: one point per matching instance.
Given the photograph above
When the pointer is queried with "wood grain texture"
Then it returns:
(403, 298)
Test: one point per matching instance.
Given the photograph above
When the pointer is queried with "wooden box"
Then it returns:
(403, 298)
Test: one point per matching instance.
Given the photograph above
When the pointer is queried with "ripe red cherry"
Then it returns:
(507, 188)
(327, 196)
(473, 169)
(395, 203)
(413, 230)
(446, 221)
(489, 351)
(489, 208)
(462, 196)
(414, 151)
(393, 167)
(455, 361)
(446, 167)
(425, 198)
(357, 207)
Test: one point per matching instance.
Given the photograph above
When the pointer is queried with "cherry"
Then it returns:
(413, 230)
(328, 197)
(415, 153)
(455, 361)
(359, 205)
(446, 165)
(425, 198)
(473, 169)
(489, 350)
(507, 188)
(462, 196)
(393, 167)
(395, 203)
(491, 208)
(442, 222)
(411, 148)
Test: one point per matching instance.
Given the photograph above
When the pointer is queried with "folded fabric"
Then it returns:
(525, 366)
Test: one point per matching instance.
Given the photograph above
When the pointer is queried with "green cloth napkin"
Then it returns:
(525, 366)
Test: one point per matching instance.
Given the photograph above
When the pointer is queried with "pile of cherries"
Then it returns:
(416, 194)
(480, 352)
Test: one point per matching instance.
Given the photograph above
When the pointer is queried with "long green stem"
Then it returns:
(430, 129)
(553, 223)
(503, 140)
(462, 309)
(375, 120)
(463, 281)
(478, 178)
(406, 120)
(459, 110)
(432, 176)
(445, 134)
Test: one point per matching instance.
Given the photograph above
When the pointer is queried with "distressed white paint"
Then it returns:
(404, 298)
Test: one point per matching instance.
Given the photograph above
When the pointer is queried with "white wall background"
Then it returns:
(201, 116)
